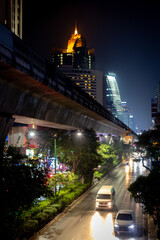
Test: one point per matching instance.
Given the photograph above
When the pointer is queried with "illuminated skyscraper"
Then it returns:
(91, 81)
(78, 63)
(113, 96)
(76, 54)
(127, 116)
(11, 15)
(155, 107)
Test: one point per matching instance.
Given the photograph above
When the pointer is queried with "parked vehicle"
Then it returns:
(105, 198)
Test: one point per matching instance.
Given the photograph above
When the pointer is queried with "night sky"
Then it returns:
(125, 36)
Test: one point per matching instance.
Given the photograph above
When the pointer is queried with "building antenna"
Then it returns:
(75, 30)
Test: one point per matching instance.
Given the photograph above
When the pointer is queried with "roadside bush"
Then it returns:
(78, 192)
(30, 227)
(41, 213)
(84, 186)
(67, 199)
(50, 211)
(98, 175)
(42, 205)
(64, 192)
(42, 218)
(58, 206)
(71, 187)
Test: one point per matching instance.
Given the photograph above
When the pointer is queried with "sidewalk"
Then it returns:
(152, 234)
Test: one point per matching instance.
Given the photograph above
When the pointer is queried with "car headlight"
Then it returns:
(109, 204)
(116, 225)
(131, 226)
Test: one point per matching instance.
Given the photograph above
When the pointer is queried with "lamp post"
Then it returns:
(55, 159)
(55, 154)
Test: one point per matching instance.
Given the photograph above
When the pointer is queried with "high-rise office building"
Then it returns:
(91, 81)
(11, 12)
(127, 116)
(76, 54)
(78, 63)
(155, 107)
(113, 98)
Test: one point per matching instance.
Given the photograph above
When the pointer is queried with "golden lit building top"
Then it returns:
(72, 40)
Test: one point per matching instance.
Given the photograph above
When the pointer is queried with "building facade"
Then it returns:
(91, 81)
(77, 62)
(11, 12)
(77, 54)
(113, 98)
(155, 107)
(127, 116)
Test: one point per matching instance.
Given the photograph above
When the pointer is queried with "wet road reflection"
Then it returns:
(102, 226)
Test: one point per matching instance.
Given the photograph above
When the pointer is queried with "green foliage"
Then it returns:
(62, 180)
(104, 150)
(50, 211)
(14, 155)
(20, 186)
(150, 140)
(146, 190)
(30, 226)
(78, 192)
(63, 192)
(57, 205)
(108, 154)
(113, 154)
(42, 218)
(80, 152)
(98, 175)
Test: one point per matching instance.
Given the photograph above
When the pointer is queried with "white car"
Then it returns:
(124, 222)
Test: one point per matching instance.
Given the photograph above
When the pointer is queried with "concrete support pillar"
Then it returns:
(6, 122)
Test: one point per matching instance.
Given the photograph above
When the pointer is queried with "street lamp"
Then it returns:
(55, 154)
(79, 133)
(32, 134)
(55, 158)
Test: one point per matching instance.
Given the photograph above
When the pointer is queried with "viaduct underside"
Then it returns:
(25, 100)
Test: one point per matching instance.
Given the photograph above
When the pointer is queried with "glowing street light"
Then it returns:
(32, 134)
(79, 133)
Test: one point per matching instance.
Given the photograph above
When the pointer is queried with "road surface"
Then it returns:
(83, 222)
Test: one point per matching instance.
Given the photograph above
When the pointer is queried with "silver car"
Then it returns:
(124, 222)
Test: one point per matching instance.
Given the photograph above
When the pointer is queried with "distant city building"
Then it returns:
(126, 113)
(155, 107)
(78, 63)
(76, 54)
(11, 12)
(91, 81)
(127, 116)
(113, 98)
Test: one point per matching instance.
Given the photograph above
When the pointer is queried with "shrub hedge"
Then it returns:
(36, 217)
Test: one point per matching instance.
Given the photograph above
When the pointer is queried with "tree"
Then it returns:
(146, 190)
(150, 140)
(107, 153)
(112, 153)
(122, 150)
(21, 183)
(79, 152)
(62, 181)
